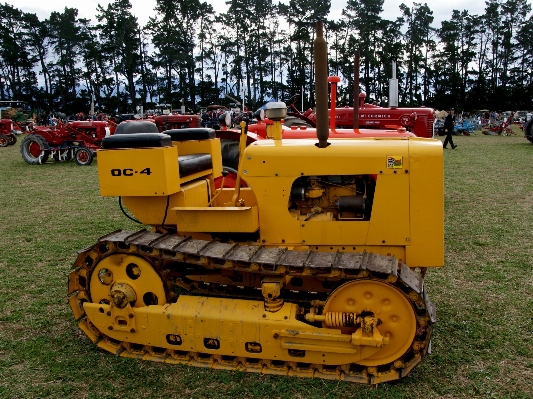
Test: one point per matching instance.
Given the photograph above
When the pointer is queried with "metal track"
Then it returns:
(164, 250)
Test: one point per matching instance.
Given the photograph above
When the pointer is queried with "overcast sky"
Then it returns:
(442, 10)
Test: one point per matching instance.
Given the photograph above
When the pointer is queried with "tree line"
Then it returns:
(190, 54)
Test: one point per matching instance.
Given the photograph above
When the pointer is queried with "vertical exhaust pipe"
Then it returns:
(393, 88)
(321, 86)
(356, 91)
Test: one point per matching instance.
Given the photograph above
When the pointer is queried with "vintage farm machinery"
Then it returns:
(78, 140)
(7, 135)
(528, 131)
(176, 121)
(370, 116)
(314, 270)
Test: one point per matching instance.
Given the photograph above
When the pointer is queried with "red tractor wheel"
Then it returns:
(83, 156)
(4, 140)
(12, 139)
(34, 149)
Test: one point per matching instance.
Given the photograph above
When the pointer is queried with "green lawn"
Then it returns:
(482, 345)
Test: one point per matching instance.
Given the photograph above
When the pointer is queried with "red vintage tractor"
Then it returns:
(417, 120)
(78, 140)
(169, 122)
(7, 137)
(369, 116)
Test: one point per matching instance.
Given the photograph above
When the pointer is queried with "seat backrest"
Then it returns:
(137, 140)
(191, 134)
(136, 127)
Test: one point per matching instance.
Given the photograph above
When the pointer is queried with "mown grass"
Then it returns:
(482, 345)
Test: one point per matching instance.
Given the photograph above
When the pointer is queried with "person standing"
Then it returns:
(449, 123)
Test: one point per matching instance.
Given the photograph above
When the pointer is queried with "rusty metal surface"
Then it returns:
(321, 259)
(192, 247)
(243, 253)
(382, 264)
(167, 242)
(217, 250)
(410, 278)
(268, 256)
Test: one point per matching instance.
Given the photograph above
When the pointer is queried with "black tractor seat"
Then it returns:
(137, 127)
(188, 164)
(198, 133)
(136, 140)
(194, 163)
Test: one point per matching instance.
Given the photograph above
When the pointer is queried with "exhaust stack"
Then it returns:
(393, 88)
(321, 86)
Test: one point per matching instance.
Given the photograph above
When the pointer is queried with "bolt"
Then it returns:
(132, 330)
(110, 327)
(264, 316)
(276, 335)
(249, 157)
(286, 317)
(131, 315)
(108, 313)
(406, 171)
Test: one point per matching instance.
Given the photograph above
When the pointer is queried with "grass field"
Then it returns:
(482, 345)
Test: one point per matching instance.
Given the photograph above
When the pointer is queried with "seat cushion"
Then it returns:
(137, 140)
(136, 127)
(191, 134)
(194, 163)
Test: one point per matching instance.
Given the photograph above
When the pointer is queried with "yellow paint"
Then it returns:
(388, 304)
(151, 210)
(233, 323)
(138, 171)
(120, 267)
(407, 215)
(232, 219)
(152, 171)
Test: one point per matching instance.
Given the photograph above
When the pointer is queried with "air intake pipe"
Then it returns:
(393, 88)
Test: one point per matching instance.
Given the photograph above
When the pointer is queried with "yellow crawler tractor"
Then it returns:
(316, 269)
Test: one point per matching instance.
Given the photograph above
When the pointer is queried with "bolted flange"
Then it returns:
(122, 294)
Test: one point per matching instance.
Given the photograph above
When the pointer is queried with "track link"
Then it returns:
(164, 250)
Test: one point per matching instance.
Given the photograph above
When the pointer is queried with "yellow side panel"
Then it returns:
(277, 225)
(336, 233)
(151, 210)
(138, 171)
(389, 223)
(223, 219)
(343, 157)
(427, 204)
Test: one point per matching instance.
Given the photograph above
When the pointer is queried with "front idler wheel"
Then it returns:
(12, 139)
